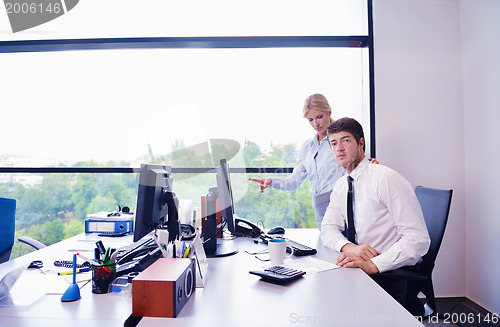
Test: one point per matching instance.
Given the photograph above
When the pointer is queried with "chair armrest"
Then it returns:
(34, 243)
(402, 273)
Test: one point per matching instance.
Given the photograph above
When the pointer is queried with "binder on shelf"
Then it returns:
(103, 222)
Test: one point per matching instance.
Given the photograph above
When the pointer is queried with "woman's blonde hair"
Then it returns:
(317, 101)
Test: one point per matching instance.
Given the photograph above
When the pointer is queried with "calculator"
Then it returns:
(279, 274)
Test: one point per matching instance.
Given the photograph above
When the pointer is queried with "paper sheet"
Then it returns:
(309, 264)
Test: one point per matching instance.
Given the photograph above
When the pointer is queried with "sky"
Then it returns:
(110, 104)
(106, 106)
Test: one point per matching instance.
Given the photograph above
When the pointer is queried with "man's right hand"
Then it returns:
(365, 251)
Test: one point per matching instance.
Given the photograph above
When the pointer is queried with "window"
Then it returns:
(126, 105)
(92, 19)
(160, 85)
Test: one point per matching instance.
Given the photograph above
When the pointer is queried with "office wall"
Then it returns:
(419, 112)
(480, 33)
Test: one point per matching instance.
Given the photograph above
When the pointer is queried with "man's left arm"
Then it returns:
(404, 208)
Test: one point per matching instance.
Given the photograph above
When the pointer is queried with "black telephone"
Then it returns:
(244, 227)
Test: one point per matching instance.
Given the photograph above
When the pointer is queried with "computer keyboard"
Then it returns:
(298, 248)
(278, 274)
(131, 250)
(138, 264)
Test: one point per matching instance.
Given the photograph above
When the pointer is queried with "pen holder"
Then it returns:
(102, 276)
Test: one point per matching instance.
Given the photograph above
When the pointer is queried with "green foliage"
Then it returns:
(82, 194)
(56, 208)
(277, 208)
(56, 187)
(48, 233)
(12, 190)
(74, 227)
(251, 154)
(101, 203)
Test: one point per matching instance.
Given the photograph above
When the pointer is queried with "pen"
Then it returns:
(186, 252)
(97, 254)
(100, 246)
(88, 259)
(70, 272)
(113, 256)
(106, 255)
(163, 252)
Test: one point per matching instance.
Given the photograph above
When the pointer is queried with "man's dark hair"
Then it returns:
(347, 124)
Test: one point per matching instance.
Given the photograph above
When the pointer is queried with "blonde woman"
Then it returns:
(316, 160)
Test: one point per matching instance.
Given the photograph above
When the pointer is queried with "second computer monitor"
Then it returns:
(225, 195)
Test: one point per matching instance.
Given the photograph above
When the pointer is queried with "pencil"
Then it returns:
(70, 272)
(89, 260)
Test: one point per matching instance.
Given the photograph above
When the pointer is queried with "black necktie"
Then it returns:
(351, 231)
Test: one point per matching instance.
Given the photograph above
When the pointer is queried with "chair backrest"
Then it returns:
(435, 204)
(7, 227)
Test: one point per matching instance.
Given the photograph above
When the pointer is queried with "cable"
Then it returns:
(69, 264)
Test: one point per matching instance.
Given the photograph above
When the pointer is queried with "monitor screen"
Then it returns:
(223, 192)
(155, 184)
(225, 195)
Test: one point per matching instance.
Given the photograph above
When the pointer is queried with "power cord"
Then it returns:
(69, 264)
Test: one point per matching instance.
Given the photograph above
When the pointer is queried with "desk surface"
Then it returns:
(231, 296)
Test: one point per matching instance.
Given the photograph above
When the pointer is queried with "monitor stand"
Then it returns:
(223, 249)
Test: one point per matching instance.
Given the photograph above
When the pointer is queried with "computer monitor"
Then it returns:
(155, 202)
(225, 195)
(223, 192)
(236, 226)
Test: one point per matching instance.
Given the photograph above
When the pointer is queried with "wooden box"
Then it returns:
(163, 288)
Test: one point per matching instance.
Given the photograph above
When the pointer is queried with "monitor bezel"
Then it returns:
(225, 195)
(152, 209)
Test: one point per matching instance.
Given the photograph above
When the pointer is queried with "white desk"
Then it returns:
(231, 297)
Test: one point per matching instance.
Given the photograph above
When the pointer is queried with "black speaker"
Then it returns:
(210, 236)
(185, 286)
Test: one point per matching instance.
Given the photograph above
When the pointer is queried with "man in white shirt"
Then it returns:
(390, 230)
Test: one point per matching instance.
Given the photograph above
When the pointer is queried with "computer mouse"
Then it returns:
(276, 230)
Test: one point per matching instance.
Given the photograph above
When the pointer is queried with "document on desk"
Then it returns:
(309, 264)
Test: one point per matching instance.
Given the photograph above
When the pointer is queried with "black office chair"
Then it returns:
(7, 229)
(435, 205)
